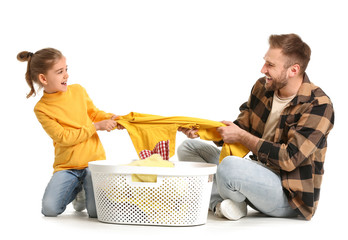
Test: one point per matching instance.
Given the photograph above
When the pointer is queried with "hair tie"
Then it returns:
(30, 54)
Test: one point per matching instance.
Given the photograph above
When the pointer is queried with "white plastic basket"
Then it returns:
(180, 197)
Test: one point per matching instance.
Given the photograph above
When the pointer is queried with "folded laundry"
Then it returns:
(147, 130)
(154, 160)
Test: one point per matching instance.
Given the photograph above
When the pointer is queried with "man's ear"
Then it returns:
(43, 79)
(294, 70)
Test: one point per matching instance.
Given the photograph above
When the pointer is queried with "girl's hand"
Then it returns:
(119, 126)
(114, 117)
(107, 125)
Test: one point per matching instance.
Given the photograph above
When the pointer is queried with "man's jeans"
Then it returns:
(240, 179)
(63, 188)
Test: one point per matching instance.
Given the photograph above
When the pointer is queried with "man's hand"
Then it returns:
(190, 133)
(231, 133)
(234, 134)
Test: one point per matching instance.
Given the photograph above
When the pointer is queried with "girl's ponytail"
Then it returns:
(23, 57)
(38, 63)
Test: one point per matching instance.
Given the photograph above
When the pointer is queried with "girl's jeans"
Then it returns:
(240, 179)
(63, 188)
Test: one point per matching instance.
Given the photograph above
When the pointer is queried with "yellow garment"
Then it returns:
(68, 118)
(154, 160)
(147, 130)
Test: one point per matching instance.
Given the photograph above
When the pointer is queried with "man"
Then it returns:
(285, 124)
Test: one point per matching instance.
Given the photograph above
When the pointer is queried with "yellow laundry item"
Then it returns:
(154, 160)
(147, 130)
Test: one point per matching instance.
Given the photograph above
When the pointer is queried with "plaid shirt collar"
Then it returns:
(303, 95)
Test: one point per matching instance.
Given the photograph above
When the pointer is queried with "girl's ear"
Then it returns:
(43, 79)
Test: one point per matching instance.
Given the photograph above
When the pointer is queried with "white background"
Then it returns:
(170, 58)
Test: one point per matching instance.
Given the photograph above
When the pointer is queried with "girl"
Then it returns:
(70, 118)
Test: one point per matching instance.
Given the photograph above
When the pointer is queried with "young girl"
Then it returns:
(70, 118)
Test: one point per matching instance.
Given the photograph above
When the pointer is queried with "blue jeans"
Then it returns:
(240, 179)
(63, 188)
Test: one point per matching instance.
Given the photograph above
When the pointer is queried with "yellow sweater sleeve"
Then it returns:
(94, 113)
(63, 135)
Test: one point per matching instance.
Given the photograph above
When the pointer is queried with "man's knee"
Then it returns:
(184, 148)
(186, 145)
(232, 169)
(231, 165)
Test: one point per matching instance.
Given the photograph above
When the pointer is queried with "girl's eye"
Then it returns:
(61, 71)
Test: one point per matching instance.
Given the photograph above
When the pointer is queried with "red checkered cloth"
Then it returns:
(161, 148)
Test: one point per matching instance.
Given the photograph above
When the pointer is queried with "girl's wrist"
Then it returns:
(96, 126)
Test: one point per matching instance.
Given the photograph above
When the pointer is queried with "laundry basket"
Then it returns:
(179, 197)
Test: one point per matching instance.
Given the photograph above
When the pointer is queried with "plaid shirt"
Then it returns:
(298, 150)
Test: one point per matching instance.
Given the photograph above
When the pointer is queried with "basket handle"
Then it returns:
(144, 180)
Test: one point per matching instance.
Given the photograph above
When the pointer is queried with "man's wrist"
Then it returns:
(248, 140)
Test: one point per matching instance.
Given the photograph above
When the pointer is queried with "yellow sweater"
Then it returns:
(68, 118)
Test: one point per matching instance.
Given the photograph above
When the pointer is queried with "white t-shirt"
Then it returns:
(278, 106)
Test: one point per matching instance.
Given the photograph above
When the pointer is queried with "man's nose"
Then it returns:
(264, 69)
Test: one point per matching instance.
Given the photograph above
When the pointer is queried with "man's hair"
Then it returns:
(292, 46)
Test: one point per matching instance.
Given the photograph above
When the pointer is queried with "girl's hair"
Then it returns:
(38, 63)
(294, 48)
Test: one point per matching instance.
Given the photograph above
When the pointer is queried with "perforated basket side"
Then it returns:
(178, 201)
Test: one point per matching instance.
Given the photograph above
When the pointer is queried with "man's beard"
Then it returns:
(277, 83)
